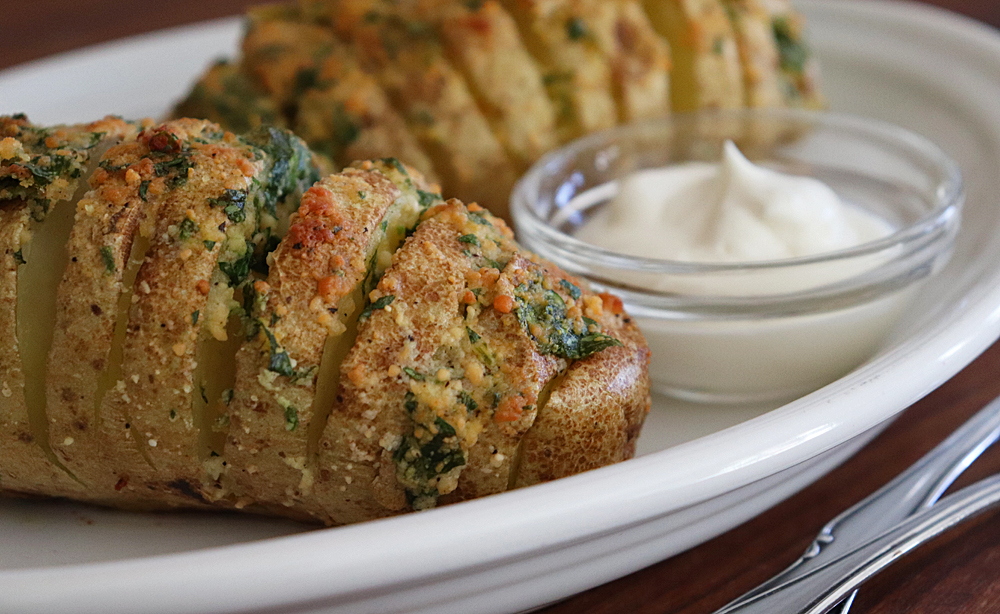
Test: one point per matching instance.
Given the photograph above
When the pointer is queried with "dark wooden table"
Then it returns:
(958, 572)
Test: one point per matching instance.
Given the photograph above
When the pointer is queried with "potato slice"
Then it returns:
(282, 56)
(158, 435)
(45, 169)
(445, 377)
(27, 468)
(227, 96)
(349, 117)
(560, 36)
(763, 81)
(706, 64)
(346, 231)
(404, 53)
(482, 39)
(595, 410)
(638, 56)
(408, 381)
(799, 67)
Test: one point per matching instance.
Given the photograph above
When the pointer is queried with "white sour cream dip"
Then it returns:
(733, 211)
(738, 212)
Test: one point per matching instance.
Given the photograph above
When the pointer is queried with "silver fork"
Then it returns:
(892, 521)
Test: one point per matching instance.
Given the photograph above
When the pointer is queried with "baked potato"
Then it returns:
(225, 331)
(485, 87)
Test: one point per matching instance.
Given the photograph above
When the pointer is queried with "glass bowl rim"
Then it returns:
(948, 194)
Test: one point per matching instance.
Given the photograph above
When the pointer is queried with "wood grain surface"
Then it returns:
(958, 572)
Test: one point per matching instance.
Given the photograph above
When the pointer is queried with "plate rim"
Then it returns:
(968, 333)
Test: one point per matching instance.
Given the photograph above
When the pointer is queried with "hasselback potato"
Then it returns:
(473, 92)
(196, 319)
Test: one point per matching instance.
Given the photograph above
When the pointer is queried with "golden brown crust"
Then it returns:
(151, 431)
(227, 96)
(415, 363)
(456, 350)
(283, 56)
(108, 221)
(314, 273)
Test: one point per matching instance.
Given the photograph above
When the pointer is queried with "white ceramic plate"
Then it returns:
(702, 470)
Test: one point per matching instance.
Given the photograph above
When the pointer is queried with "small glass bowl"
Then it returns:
(769, 330)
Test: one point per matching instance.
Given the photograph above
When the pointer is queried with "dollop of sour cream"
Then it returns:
(733, 211)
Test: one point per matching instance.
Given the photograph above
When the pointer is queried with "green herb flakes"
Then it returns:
(187, 228)
(468, 401)
(291, 418)
(576, 29)
(410, 402)
(233, 202)
(109, 259)
(571, 289)
(380, 303)
(414, 374)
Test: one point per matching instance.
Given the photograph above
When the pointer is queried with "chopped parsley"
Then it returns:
(792, 53)
(546, 309)
(238, 271)
(471, 239)
(109, 259)
(233, 202)
(410, 402)
(395, 163)
(19, 257)
(187, 228)
(426, 199)
(576, 29)
(291, 418)
(571, 288)
(414, 374)
(178, 165)
(194, 316)
(143, 190)
(380, 303)
(280, 362)
(479, 217)
(468, 401)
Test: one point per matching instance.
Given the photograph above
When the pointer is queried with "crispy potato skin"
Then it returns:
(462, 342)
(325, 259)
(595, 411)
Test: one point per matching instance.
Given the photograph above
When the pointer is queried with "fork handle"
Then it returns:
(825, 586)
(915, 489)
